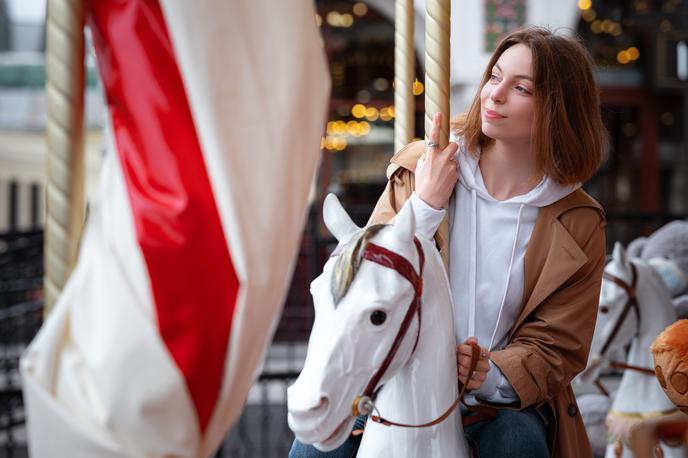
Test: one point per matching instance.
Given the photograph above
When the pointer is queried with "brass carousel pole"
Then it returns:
(64, 134)
(437, 32)
(404, 69)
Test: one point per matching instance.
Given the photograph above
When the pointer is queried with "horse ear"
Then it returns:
(337, 220)
(619, 255)
(405, 222)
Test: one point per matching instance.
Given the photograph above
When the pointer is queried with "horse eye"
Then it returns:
(604, 309)
(378, 317)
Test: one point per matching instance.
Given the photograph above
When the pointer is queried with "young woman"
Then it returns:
(524, 245)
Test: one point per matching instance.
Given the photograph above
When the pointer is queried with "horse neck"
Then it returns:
(639, 392)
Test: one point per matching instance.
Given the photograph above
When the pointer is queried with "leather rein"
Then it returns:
(631, 303)
(364, 403)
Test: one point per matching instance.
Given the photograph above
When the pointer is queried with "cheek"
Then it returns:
(484, 95)
(525, 111)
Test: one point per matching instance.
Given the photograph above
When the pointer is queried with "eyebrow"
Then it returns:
(525, 77)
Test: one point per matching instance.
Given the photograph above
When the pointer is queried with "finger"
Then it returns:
(471, 340)
(420, 161)
(464, 360)
(436, 125)
(473, 385)
(483, 366)
(479, 376)
(466, 350)
(450, 151)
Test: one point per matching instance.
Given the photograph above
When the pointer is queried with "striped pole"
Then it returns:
(404, 69)
(437, 32)
(64, 135)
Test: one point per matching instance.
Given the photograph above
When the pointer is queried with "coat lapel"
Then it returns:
(551, 258)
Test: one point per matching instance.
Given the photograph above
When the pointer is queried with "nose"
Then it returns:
(498, 94)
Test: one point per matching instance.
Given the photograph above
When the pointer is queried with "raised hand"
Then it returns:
(437, 171)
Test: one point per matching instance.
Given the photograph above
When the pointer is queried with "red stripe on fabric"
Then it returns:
(193, 281)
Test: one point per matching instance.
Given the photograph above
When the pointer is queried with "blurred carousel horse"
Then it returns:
(635, 306)
(667, 251)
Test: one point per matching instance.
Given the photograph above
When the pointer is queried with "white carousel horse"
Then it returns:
(373, 327)
(635, 306)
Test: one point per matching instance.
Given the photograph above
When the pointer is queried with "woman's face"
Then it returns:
(507, 104)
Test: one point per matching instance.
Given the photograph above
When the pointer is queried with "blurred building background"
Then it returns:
(641, 51)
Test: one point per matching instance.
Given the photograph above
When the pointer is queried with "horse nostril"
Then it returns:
(322, 405)
(324, 402)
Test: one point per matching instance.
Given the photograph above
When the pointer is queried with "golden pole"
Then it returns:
(404, 69)
(64, 134)
(437, 33)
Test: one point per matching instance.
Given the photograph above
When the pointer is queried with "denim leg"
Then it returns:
(513, 434)
(347, 450)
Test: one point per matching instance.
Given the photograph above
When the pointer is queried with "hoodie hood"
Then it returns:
(545, 193)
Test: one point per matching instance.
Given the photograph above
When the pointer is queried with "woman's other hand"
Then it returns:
(463, 358)
(437, 171)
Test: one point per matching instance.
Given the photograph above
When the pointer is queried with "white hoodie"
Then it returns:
(488, 239)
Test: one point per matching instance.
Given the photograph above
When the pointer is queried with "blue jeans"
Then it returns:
(347, 450)
(513, 434)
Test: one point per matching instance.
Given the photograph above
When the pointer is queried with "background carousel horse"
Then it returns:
(366, 335)
(635, 306)
(667, 251)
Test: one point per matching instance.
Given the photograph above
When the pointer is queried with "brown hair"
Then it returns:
(568, 135)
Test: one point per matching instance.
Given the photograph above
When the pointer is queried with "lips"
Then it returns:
(491, 114)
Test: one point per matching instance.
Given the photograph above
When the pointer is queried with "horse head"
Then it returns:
(632, 298)
(360, 306)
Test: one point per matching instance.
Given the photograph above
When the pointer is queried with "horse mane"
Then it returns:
(349, 261)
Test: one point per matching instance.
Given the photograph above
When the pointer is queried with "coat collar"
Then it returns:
(552, 256)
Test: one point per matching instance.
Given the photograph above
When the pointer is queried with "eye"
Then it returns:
(604, 309)
(493, 77)
(522, 90)
(378, 317)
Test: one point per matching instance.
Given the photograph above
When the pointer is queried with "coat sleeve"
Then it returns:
(551, 347)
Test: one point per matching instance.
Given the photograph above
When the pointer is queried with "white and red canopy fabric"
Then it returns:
(216, 110)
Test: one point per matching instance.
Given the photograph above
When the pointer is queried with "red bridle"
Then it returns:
(631, 303)
(364, 403)
(398, 263)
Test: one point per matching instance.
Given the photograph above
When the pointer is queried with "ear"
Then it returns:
(619, 256)
(405, 223)
(337, 220)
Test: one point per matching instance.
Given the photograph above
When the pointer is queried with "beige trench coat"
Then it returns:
(550, 341)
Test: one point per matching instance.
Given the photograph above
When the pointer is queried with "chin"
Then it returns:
(489, 131)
